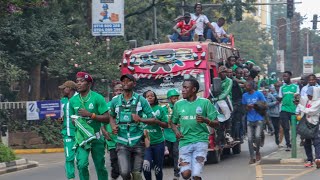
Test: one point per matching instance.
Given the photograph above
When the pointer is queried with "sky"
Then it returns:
(308, 8)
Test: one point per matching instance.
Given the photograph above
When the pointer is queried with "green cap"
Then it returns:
(251, 61)
(172, 92)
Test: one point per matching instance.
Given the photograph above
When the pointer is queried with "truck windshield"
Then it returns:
(161, 85)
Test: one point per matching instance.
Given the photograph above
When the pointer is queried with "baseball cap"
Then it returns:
(187, 15)
(129, 76)
(68, 84)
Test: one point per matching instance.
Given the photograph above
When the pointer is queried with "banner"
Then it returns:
(43, 109)
(280, 60)
(307, 65)
(108, 17)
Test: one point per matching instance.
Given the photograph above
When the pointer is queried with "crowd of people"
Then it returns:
(191, 27)
(139, 132)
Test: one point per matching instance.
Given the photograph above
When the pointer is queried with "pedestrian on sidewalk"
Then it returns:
(255, 120)
(172, 143)
(92, 108)
(68, 129)
(111, 139)
(125, 118)
(193, 114)
(310, 110)
(154, 154)
(288, 108)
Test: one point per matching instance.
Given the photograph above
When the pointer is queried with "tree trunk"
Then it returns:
(89, 14)
(35, 82)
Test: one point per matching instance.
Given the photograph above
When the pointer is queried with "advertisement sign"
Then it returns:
(107, 17)
(307, 64)
(280, 60)
(43, 109)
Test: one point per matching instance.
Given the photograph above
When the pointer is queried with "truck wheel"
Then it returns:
(236, 149)
(213, 157)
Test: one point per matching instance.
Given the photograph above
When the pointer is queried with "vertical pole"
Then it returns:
(294, 136)
(155, 36)
(183, 2)
(308, 43)
(289, 46)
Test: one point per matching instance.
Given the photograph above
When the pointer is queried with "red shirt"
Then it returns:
(185, 27)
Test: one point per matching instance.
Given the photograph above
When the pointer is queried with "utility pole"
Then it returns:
(183, 2)
(155, 36)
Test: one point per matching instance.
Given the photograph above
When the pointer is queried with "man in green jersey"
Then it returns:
(111, 139)
(288, 108)
(68, 129)
(193, 114)
(92, 107)
(125, 112)
(172, 144)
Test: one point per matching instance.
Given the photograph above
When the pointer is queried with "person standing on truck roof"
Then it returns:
(201, 20)
(92, 108)
(126, 111)
(193, 114)
(222, 35)
(68, 129)
(184, 29)
(255, 120)
(288, 108)
(154, 155)
(111, 139)
(172, 143)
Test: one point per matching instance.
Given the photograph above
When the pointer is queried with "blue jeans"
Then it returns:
(174, 154)
(213, 39)
(130, 160)
(153, 158)
(254, 136)
(195, 155)
(175, 37)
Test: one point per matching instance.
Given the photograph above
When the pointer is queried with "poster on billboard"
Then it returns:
(108, 17)
(307, 64)
(40, 110)
(280, 60)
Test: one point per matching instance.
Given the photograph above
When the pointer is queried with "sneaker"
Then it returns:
(288, 148)
(258, 156)
(252, 161)
(308, 164)
(317, 161)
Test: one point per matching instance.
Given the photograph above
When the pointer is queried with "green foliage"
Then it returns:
(254, 42)
(49, 130)
(6, 154)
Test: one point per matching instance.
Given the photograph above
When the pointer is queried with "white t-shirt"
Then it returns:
(219, 30)
(200, 21)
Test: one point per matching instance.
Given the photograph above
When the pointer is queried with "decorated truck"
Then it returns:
(161, 67)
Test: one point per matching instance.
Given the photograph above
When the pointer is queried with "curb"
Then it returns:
(282, 161)
(38, 151)
(31, 164)
(13, 163)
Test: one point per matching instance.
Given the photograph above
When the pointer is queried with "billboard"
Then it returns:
(307, 65)
(280, 60)
(43, 109)
(107, 17)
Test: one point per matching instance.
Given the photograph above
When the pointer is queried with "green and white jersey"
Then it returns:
(129, 132)
(113, 142)
(68, 128)
(155, 131)
(94, 103)
(169, 135)
(184, 113)
(287, 92)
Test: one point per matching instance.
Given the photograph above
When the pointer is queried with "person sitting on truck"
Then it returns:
(201, 20)
(184, 29)
(193, 114)
(221, 34)
(254, 119)
(172, 143)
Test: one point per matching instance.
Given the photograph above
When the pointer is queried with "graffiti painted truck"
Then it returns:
(161, 67)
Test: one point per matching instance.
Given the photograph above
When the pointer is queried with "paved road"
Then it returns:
(230, 168)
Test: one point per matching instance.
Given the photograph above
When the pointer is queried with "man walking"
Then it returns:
(68, 129)
(288, 108)
(126, 111)
(91, 107)
(193, 114)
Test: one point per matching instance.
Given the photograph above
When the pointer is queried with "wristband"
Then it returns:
(93, 116)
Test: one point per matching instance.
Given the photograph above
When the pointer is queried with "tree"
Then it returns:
(254, 42)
